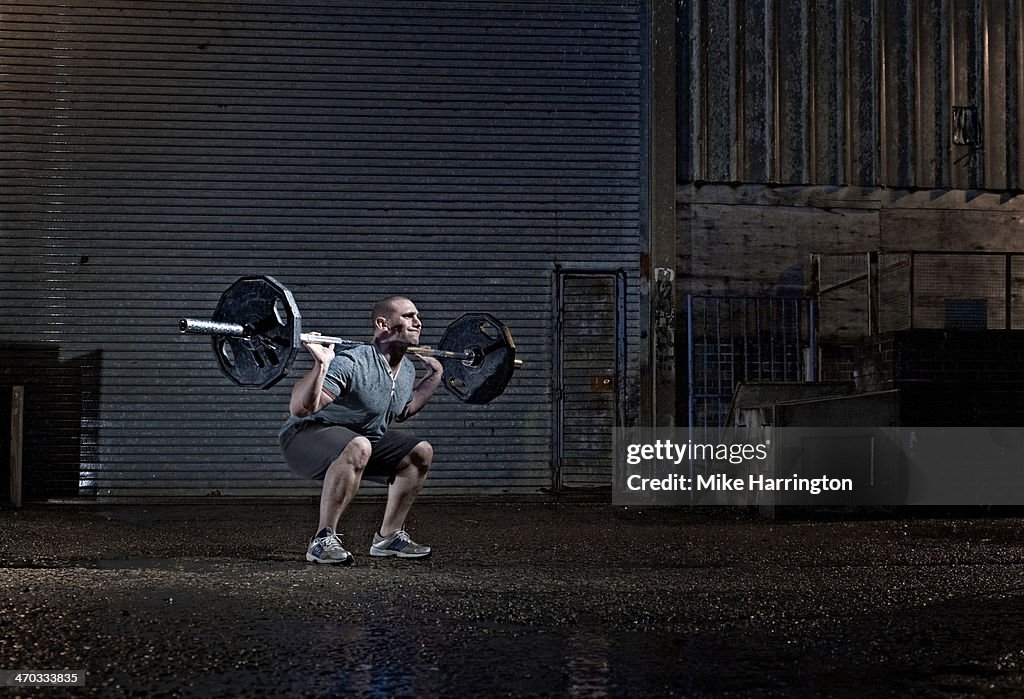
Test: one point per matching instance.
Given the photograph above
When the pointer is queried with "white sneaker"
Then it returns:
(397, 544)
(326, 547)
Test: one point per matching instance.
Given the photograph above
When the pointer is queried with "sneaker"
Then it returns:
(326, 547)
(397, 544)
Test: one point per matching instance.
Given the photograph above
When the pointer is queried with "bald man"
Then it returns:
(340, 431)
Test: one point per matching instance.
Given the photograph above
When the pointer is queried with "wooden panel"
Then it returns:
(757, 240)
(748, 250)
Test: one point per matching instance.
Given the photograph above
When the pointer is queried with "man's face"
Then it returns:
(402, 323)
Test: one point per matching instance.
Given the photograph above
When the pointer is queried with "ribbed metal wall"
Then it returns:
(153, 152)
(850, 92)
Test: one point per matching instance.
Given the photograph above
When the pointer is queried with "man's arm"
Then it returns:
(424, 390)
(308, 393)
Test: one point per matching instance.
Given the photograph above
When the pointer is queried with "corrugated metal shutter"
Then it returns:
(155, 151)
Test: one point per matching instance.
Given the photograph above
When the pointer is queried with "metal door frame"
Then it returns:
(557, 384)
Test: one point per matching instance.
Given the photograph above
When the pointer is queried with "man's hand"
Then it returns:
(308, 394)
(429, 363)
(323, 354)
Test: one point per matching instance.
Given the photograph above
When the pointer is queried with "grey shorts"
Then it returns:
(310, 449)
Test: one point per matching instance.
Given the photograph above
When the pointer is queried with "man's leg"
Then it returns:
(342, 481)
(410, 475)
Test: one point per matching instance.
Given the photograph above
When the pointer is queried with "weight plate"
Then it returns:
(267, 310)
(484, 378)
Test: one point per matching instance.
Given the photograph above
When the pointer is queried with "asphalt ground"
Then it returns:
(517, 600)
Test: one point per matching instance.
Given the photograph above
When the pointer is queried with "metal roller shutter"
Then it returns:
(154, 151)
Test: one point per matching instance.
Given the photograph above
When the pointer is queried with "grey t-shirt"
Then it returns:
(368, 397)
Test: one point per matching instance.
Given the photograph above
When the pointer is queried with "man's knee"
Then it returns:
(422, 455)
(356, 454)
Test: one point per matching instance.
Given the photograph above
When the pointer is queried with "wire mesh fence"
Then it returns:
(864, 294)
(736, 339)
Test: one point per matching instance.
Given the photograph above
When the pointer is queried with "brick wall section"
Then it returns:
(947, 378)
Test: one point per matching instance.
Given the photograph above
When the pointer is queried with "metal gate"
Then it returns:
(735, 339)
(590, 369)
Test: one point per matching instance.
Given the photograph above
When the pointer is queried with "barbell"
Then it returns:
(256, 334)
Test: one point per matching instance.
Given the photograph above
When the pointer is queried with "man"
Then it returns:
(338, 432)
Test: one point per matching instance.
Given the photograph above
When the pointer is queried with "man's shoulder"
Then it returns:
(356, 352)
(346, 359)
(358, 357)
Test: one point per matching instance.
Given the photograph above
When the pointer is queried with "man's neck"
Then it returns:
(392, 354)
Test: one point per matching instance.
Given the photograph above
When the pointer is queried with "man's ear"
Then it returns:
(380, 322)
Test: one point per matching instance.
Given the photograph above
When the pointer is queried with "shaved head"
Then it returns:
(386, 305)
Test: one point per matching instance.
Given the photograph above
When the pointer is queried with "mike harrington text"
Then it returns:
(721, 482)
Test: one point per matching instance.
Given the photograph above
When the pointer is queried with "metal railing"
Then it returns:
(867, 293)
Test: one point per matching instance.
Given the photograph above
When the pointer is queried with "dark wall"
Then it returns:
(60, 432)
(948, 378)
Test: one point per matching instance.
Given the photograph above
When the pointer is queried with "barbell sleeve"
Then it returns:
(195, 326)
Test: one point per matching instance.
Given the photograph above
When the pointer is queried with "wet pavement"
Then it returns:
(523, 599)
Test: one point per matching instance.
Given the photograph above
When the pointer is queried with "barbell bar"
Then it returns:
(195, 326)
(256, 333)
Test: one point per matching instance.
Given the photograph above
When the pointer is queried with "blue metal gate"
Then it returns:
(736, 339)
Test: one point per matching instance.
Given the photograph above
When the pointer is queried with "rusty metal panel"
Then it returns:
(896, 136)
(721, 94)
(792, 71)
(838, 92)
(690, 108)
(755, 143)
(827, 92)
(932, 125)
(964, 89)
(863, 111)
(1015, 100)
(995, 20)
(1014, 95)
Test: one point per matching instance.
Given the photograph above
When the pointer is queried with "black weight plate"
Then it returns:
(267, 309)
(484, 378)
